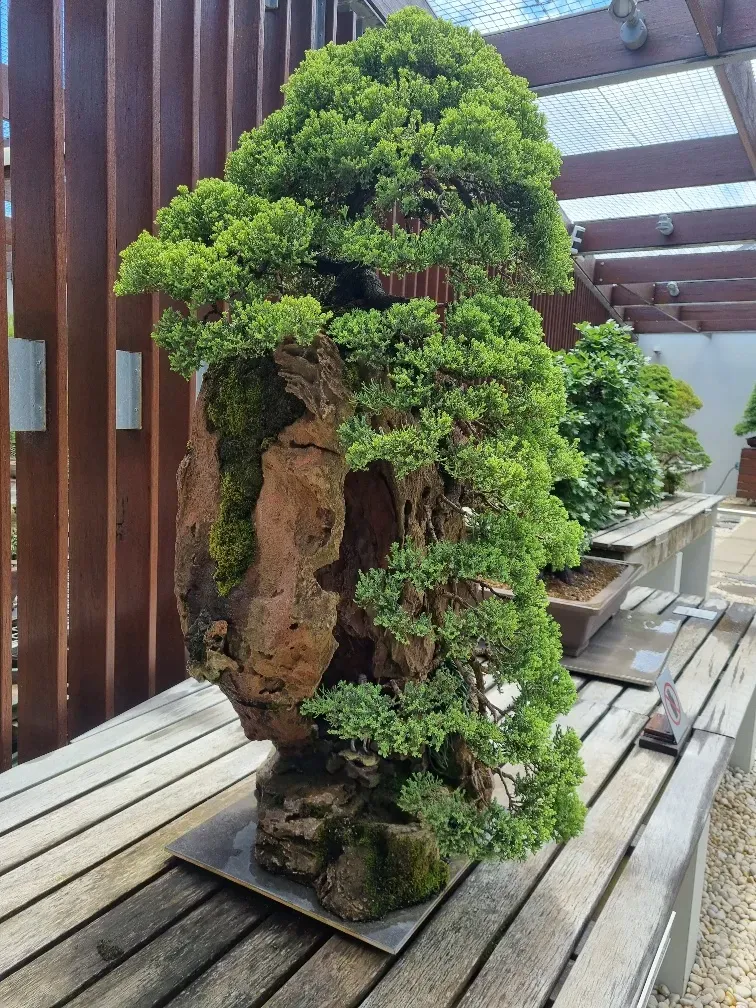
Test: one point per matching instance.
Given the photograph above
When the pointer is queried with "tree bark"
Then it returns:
(291, 625)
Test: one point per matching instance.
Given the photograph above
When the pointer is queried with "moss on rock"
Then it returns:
(248, 406)
(382, 867)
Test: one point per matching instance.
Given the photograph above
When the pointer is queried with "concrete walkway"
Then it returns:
(734, 563)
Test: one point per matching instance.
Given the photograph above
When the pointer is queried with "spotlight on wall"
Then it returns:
(673, 289)
(633, 30)
(665, 225)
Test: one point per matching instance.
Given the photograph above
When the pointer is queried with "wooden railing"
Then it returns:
(144, 95)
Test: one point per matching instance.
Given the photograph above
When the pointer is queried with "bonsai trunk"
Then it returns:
(326, 810)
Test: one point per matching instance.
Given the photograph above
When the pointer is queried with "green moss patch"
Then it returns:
(248, 406)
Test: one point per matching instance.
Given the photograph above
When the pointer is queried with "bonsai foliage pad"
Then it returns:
(225, 845)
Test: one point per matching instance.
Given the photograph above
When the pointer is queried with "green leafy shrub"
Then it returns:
(748, 423)
(676, 445)
(287, 248)
(614, 418)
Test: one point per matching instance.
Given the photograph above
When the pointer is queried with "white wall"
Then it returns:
(722, 370)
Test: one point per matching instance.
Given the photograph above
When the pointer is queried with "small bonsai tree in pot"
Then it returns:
(747, 425)
(676, 445)
(357, 469)
(614, 417)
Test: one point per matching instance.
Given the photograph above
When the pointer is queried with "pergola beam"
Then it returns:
(703, 314)
(737, 84)
(585, 50)
(707, 161)
(698, 227)
(665, 268)
(671, 326)
(706, 292)
(691, 292)
(707, 16)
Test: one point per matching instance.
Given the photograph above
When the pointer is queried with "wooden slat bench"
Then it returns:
(94, 912)
(672, 543)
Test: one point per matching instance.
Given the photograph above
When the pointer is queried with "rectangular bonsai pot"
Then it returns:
(579, 621)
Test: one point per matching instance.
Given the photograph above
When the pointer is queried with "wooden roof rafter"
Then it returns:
(695, 227)
(584, 51)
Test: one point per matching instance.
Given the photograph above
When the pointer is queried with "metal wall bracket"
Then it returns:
(128, 390)
(28, 401)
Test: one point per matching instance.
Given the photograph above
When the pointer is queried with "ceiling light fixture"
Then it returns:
(633, 30)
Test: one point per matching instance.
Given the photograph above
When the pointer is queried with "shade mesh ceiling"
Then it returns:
(660, 201)
(677, 106)
(488, 16)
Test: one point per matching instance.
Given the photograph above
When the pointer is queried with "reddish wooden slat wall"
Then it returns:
(6, 602)
(560, 312)
(90, 181)
(36, 109)
(156, 93)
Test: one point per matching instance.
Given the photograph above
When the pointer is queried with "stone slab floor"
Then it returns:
(725, 967)
(734, 562)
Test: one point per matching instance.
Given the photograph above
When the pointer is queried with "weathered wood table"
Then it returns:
(94, 912)
(673, 543)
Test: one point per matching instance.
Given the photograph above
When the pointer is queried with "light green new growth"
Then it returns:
(676, 446)
(424, 117)
(748, 424)
(614, 418)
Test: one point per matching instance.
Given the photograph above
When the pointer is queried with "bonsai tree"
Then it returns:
(676, 445)
(357, 470)
(748, 423)
(614, 418)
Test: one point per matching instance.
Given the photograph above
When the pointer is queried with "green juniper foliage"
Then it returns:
(676, 446)
(748, 423)
(423, 116)
(614, 419)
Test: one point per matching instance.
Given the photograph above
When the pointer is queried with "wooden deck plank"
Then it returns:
(55, 916)
(631, 924)
(47, 871)
(691, 636)
(338, 975)
(66, 787)
(156, 972)
(643, 537)
(622, 529)
(600, 691)
(526, 963)
(185, 688)
(583, 716)
(657, 602)
(725, 710)
(435, 969)
(64, 970)
(252, 970)
(636, 595)
(699, 676)
(56, 827)
(34, 772)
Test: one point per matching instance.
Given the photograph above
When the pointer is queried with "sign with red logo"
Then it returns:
(672, 706)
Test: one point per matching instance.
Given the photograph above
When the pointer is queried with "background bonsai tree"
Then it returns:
(614, 418)
(676, 445)
(357, 470)
(748, 423)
